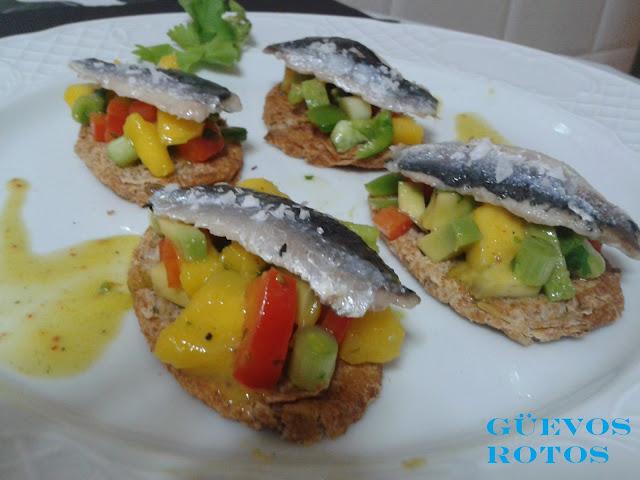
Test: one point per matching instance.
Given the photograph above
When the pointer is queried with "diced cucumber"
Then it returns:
(581, 258)
(382, 202)
(160, 285)
(443, 208)
(315, 93)
(411, 199)
(535, 261)
(367, 233)
(190, 241)
(309, 306)
(386, 184)
(234, 134)
(325, 117)
(355, 108)
(344, 136)
(295, 94)
(313, 358)
(449, 241)
(122, 152)
(85, 105)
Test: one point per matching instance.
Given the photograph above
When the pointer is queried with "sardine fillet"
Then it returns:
(597, 302)
(296, 416)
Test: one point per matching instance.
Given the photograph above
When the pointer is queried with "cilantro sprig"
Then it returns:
(214, 36)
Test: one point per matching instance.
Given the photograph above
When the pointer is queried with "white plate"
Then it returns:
(452, 376)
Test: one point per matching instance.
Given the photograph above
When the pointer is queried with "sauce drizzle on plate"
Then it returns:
(59, 311)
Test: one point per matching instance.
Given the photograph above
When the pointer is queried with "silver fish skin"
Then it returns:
(172, 91)
(529, 184)
(340, 268)
(358, 70)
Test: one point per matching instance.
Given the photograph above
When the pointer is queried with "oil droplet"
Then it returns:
(262, 457)
(58, 311)
(414, 463)
(471, 125)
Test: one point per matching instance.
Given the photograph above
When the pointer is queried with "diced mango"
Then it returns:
(236, 258)
(169, 62)
(375, 338)
(73, 92)
(209, 329)
(406, 131)
(176, 131)
(502, 235)
(149, 147)
(261, 185)
(160, 284)
(194, 274)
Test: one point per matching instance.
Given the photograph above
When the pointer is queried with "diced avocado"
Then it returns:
(384, 185)
(161, 286)
(87, 104)
(121, 152)
(367, 233)
(582, 259)
(190, 242)
(535, 261)
(291, 77)
(411, 199)
(344, 136)
(443, 208)
(559, 287)
(355, 108)
(499, 281)
(234, 134)
(382, 202)
(450, 240)
(315, 93)
(325, 117)
(295, 94)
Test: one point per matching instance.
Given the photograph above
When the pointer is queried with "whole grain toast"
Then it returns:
(137, 184)
(291, 131)
(297, 416)
(598, 302)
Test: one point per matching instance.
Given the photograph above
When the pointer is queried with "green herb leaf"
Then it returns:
(237, 18)
(185, 35)
(153, 53)
(188, 59)
(220, 51)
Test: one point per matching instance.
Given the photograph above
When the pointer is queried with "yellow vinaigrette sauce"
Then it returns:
(471, 125)
(58, 311)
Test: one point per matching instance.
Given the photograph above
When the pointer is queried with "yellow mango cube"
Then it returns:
(207, 332)
(73, 92)
(176, 131)
(152, 152)
(169, 62)
(236, 258)
(406, 131)
(194, 274)
(502, 235)
(375, 338)
(261, 185)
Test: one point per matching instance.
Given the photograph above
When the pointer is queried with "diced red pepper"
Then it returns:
(392, 222)
(148, 112)
(117, 112)
(271, 303)
(98, 126)
(201, 149)
(169, 257)
(597, 245)
(335, 324)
